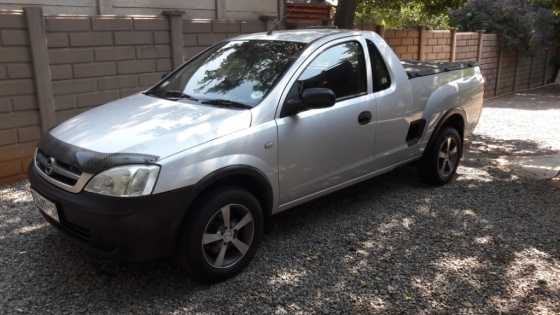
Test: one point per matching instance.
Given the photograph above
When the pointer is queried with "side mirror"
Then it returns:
(310, 98)
(318, 98)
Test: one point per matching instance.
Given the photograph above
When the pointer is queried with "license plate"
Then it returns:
(46, 206)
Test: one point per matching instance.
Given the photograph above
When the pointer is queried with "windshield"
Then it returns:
(235, 72)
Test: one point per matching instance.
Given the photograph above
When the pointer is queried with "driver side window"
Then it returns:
(340, 68)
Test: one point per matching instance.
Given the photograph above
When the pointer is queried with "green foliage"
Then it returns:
(519, 23)
(405, 14)
(553, 5)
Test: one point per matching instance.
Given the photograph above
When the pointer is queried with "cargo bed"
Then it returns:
(416, 69)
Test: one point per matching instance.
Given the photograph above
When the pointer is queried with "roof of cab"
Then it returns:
(299, 35)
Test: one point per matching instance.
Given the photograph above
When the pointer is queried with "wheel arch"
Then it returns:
(455, 117)
(247, 177)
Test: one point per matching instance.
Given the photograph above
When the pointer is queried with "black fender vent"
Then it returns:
(415, 131)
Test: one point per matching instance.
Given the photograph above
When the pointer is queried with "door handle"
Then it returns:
(364, 117)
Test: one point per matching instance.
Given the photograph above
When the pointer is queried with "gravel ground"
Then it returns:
(487, 243)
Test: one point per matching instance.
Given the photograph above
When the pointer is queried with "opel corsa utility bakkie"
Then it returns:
(252, 126)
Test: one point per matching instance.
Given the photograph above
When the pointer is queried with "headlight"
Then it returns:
(125, 181)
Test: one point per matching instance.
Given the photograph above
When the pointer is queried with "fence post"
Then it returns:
(421, 40)
(546, 61)
(104, 7)
(499, 70)
(177, 42)
(220, 9)
(380, 30)
(41, 68)
(516, 71)
(453, 56)
(480, 46)
(281, 13)
(530, 72)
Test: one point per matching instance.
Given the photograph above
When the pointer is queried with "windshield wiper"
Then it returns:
(172, 95)
(226, 103)
(179, 95)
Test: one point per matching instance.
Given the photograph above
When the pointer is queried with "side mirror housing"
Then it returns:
(311, 98)
(318, 98)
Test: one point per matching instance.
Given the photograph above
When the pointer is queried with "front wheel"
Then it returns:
(222, 234)
(441, 159)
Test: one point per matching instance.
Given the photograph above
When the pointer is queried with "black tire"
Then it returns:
(206, 215)
(431, 166)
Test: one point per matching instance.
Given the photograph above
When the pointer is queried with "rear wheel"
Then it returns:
(222, 234)
(439, 164)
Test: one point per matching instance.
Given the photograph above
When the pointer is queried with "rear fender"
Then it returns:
(441, 104)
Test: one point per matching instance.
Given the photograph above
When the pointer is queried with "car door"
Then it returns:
(322, 148)
(395, 113)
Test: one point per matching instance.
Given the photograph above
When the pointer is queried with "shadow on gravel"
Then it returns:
(486, 243)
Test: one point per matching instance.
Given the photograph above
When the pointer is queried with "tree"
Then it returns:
(409, 15)
(345, 10)
(519, 23)
(415, 12)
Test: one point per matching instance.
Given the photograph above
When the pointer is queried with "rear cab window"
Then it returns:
(381, 78)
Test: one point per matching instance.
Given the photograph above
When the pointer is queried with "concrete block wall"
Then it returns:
(198, 35)
(19, 113)
(88, 61)
(195, 9)
(94, 60)
(83, 61)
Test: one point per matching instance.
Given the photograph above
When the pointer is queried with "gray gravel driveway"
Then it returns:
(487, 243)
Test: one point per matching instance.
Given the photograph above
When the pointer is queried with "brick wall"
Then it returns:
(523, 72)
(489, 63)
(467, 46)
(507, 78)
(404, 42)
(92, 60)
(537, 76)
(19, 114)
(505, 72)
(437, 45)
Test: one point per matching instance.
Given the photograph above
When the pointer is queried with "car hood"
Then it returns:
(148, 125)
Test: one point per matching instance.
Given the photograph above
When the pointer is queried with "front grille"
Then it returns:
(57, 170)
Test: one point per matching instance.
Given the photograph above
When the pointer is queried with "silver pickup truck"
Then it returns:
(194, 167)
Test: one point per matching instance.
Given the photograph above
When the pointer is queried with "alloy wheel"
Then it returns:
(448, 156)
(228, 236)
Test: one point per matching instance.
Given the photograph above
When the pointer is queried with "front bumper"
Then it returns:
(128, 229)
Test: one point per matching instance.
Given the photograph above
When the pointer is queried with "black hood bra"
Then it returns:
(89, 161)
